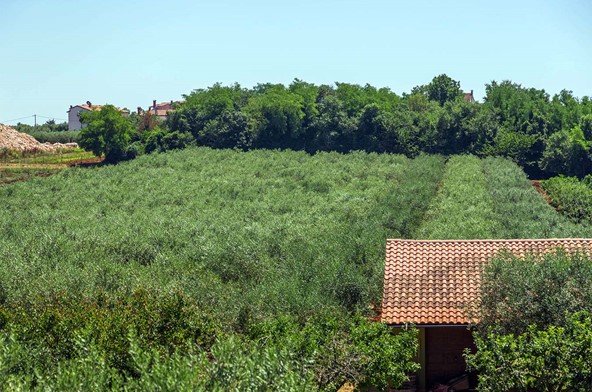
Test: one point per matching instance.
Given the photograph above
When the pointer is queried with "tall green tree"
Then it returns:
(276, 118)
(107, 133)
(333, 129)
(441, 89)
(567, 152)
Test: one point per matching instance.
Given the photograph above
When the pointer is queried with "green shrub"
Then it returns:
(517, 292)
(556, 358)
(162, 321)
(344, 350)
(230, 365)
(571, 197)
(56, 137)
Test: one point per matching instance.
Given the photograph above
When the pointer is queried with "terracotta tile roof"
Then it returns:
(95, 107)
(161, 112)
(432, 282)
(163, 108)
(469, 96)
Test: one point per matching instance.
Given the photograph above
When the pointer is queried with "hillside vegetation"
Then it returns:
(233, 263)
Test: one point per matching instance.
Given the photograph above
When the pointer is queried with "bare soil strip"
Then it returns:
(33, 165)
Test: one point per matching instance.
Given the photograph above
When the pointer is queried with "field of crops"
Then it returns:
(157, 261)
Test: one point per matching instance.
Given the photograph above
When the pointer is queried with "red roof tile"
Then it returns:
(163, 109)
(96, 107)
(161, 112)
(433, 282)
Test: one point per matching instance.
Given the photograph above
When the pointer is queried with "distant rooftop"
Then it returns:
(91, 107)
(469, 96)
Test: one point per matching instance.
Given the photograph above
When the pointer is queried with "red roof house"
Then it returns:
(161, 110)
(433, 284)
(74, 122)
(469, 96)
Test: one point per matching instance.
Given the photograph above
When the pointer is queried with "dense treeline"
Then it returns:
(48, 126)
(542, 133)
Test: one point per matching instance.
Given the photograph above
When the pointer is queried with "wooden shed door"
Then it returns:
(443, 353)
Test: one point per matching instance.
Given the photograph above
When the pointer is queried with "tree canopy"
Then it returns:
(107, 133)
(546, 135)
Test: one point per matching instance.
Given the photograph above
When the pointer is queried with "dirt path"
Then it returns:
(537, 186)
(33, 165)
(87, 162)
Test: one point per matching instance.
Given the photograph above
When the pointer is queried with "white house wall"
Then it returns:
(74, 118)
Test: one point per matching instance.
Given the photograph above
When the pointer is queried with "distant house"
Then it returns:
(469, 96)
(433, 284)
(74, 122)
(160, 110)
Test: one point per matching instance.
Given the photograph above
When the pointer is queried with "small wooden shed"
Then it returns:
(432, 285)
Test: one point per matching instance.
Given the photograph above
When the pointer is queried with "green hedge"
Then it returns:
(56, 137)
(571, 197)
(463, 208)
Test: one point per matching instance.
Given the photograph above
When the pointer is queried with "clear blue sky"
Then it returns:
(57, 53)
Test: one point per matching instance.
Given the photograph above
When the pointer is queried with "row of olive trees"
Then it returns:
(543, 134)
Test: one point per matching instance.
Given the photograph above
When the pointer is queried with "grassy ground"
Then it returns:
(9, 175)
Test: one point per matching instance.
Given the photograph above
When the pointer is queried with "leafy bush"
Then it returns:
(342, 350)
(165, 322)
(231, 365)
(556, 358)
(158, 140)
(56, 137)
(571, 197)
(517, 292)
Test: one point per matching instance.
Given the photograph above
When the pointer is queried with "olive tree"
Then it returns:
(536, 325)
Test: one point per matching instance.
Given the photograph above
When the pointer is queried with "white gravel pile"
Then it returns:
(14, 140)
